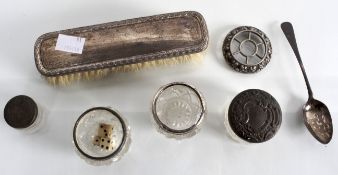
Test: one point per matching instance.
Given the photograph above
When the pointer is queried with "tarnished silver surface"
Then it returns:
(101, 135)
(254, 116)
(178, 110)
(123, 43)
(247, 49)
(317, 117)
(23, 113)
(318, 120)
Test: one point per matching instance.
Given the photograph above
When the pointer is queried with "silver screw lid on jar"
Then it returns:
(254, 116)
(247, 49)
(178, 110)
(101, 136)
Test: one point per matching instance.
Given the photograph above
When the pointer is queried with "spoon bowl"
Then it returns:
(318, 120)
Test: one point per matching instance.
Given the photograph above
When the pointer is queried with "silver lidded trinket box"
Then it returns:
(254, 116)
(247, 49)
(23, 113)
(101, 136)
(178, 110)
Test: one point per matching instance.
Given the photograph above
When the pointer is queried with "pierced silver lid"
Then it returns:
(247, 49)
(178, 110)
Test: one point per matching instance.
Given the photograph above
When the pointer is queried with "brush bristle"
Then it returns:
(98, 74)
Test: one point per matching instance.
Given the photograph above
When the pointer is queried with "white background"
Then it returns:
(291, 151)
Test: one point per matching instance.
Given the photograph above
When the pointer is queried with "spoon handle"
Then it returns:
(290, 35)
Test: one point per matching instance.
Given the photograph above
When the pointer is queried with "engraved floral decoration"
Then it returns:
(319, 123)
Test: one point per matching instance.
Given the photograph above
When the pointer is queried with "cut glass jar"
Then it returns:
(101, 136)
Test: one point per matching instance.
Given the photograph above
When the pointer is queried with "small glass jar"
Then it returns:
(178, 110)
(254, 116)
(22, 113)
(101, 136)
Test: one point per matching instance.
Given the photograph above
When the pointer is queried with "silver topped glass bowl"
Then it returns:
(101, 136)
(178, 110)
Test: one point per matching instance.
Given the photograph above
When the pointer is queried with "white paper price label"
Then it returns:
(70, 44)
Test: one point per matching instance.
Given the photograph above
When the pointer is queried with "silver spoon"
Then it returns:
(316, 115)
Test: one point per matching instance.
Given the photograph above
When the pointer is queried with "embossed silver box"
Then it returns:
(254, 116)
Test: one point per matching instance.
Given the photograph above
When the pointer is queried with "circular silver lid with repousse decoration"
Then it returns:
(101, 136)
(247, 49)
(254, 116)
(178, 110)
